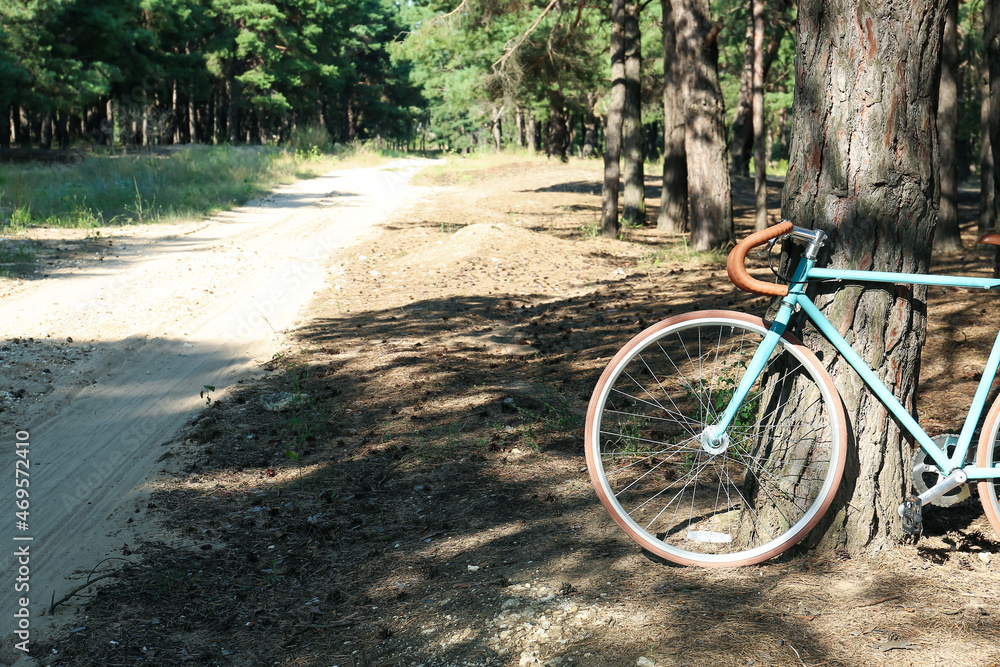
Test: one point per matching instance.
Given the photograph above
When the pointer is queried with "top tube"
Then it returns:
(904, 278)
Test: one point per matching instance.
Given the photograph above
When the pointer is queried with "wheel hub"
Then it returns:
(712, 443)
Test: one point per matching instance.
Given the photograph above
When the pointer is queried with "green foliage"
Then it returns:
(114, 189)
(471, 75)
(255, 68)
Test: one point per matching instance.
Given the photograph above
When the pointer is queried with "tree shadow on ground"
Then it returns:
(428, 503)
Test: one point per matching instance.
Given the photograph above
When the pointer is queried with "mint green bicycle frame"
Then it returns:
(796, 297)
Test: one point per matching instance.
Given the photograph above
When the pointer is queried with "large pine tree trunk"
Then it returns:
(613, 129)
(673, 198)
(634, 209)
(991, 22)
(711, 209)
(863, 168)
(947, 237)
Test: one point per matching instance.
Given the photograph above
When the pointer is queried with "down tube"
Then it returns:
(876, 385)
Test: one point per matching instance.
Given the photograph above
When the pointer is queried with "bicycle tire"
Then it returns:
(988, 456)
(758, 496)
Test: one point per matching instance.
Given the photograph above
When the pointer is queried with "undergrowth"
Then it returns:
(162, 185)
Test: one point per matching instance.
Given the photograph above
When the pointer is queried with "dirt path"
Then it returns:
(104, 357)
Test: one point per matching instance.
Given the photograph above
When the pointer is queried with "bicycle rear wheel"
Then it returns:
(697, 504)
(988, 456)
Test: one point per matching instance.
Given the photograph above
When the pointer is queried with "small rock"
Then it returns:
(281, 400)
(644, 662)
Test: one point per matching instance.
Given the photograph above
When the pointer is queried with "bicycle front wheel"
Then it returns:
(735, 502)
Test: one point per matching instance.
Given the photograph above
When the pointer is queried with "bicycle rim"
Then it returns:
(728, 506)
(988, 456)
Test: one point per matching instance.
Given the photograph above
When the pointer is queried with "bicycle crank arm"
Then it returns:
(952, 481)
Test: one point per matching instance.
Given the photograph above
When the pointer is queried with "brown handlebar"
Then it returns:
(736, 264)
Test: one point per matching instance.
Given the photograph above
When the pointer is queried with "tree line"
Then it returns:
(694, 85)
(143, 72)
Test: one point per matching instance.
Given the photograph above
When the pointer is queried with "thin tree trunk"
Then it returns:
(711, 210)
(175, 114)
(947, 237)
(519, 127)
(233, 122)
(532, 133)
(496, 129)
(673, 214)
(613, 129)
(45, 132)
(742, 128)
(5, 132)
(634, 208)
(110, 116)
(759, 131)
(556, 138)
(861, 168)
(987, 204)
(62, 129)
(590, 127)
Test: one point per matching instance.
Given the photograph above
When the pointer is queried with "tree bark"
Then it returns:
(496, 128)
(709, 200)
(673, 213)
(741, 144)
(863, 168)
(5, 132)
(947, 237)
(991, 27)
(613, 129)
(634, 209)
(557, 132)
(590, 127)
(987, 205)
(759, 131)
(45, 132)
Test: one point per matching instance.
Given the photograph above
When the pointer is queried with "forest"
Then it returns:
(459, 76)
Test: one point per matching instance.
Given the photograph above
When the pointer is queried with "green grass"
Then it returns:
(15, 258)
(164, 186)
(679, 251)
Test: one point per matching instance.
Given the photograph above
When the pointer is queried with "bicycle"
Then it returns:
(715, 438)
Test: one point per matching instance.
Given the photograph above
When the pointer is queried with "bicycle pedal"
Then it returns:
(913, 519)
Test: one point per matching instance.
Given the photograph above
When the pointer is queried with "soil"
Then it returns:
(404, 484)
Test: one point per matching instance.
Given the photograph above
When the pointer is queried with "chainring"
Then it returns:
(925, 474)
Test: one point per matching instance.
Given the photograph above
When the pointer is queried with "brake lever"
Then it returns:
(766, 252)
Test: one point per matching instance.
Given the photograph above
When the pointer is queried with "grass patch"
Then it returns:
(16, 258)
(461, 169)
(165, 185)
(678, 251)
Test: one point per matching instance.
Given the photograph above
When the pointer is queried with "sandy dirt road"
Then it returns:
(103, 359)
